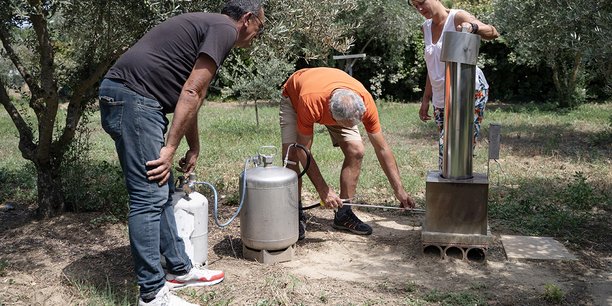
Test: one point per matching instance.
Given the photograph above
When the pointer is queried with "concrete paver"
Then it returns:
(531, 247)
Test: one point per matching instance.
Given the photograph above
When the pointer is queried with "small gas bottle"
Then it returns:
(191, 215)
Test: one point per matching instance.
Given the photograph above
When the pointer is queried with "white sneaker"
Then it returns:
(165, 298)
(195, 277)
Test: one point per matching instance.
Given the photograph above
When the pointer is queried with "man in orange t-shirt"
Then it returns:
(331, 97)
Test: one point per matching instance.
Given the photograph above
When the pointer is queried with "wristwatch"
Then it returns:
(474, 28)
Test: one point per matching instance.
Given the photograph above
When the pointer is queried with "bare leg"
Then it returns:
(345, 219)
(351, 168)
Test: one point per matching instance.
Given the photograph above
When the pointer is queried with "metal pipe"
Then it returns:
(460, 52)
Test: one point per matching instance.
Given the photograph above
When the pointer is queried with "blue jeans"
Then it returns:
(137, 125)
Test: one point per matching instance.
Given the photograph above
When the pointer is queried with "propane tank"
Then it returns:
(269, 217)
(191, 214)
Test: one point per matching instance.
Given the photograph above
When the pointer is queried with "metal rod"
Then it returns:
(348, 203)
(414, 210)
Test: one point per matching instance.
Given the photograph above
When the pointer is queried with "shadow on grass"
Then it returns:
(571, 208)
(18, 185)
(229, 246)
(109, 273)
(524, 140)
(556, 140)
(565, 140)
(520, 108)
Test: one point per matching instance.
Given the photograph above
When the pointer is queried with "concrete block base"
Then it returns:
(269, 257)
(456, 206)
(456, 217)
(471, 247)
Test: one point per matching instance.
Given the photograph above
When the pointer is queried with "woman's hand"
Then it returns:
(424, 112)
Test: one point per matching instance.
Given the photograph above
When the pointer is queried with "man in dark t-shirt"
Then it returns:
(167, 71)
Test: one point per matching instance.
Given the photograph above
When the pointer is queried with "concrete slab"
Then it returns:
(531, 247)
(602, 293)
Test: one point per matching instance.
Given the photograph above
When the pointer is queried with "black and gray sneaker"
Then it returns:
(301, 225)
(348, 221)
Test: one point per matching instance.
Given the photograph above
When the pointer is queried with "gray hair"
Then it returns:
(346, 105)
(236, 8)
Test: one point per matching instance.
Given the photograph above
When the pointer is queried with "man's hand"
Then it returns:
(161, 167)
(405, 200)
(330, 199)
(188, 163)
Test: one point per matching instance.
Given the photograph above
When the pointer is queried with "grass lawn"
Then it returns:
(553, 164)
(553, 179)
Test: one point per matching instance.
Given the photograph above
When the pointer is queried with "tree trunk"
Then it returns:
(566, 70)
(50, 192)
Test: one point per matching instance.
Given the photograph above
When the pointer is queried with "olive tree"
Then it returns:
(565, 34)
(64, 46)
(296, 31)
(391, 38)
(62, 49)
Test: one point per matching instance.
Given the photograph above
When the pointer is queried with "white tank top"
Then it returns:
(435, 67)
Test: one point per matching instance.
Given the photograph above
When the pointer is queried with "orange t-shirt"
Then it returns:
(310, 89)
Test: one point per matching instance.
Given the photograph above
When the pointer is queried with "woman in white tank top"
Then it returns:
(439, 19)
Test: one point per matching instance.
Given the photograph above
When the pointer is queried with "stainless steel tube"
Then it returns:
(460, 52)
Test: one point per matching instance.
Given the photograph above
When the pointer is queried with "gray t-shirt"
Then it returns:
(158, 65)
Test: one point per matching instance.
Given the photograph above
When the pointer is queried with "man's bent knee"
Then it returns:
(353, 150)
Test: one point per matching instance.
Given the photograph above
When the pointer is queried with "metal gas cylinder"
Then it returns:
(191, 215)
(269, 217)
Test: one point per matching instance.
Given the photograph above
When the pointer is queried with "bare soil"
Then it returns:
(54, 262)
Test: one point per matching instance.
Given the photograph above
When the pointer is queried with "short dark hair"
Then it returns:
(236, 8)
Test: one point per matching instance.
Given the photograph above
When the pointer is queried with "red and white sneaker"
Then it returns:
(196, 277)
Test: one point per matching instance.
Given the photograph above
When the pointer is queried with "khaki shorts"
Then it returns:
(288, 123)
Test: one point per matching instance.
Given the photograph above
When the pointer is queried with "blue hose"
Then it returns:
(215, 207)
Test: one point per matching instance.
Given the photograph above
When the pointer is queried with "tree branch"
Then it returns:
(45, 50)
(75, 106)
(555, 76)
(45, 105)
(27, 77)
(26, 144)
(576, 68)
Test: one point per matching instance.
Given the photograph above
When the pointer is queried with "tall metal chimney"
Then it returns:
(460, 52)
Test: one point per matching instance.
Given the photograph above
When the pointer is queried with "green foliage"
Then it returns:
(410, 287)
(323, 298)
(310, 32)
(61, 49)
(212, 298)
(18, 185)
(3, 266)
(454, 298)
(553, 293)
(579, 194)
(106, 296)
(550, 207)
(295, 31)
(390, 36)
(577, 31)
(258, 79)
(89, 185)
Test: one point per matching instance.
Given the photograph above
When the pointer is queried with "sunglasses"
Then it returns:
(417, 2)
(261, 24)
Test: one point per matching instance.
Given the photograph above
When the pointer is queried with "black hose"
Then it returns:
(310, 207)
(308, 157)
